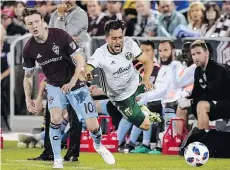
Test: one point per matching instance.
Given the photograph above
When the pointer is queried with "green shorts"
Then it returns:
(130, 109)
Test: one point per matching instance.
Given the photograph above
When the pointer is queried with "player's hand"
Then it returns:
(61, 9)
(148, 85)
(95, 90)
(66, 88)
(31, 106)
(85, 76)
(38, 105)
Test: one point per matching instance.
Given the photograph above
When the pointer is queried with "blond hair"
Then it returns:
(193, 4)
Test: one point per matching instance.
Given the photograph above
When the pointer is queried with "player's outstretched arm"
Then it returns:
(28, 87)
(148, 66)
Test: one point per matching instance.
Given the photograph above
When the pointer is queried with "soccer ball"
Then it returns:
(196, 154)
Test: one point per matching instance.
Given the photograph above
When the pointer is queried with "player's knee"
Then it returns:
(145, 125)
(56, 119)
(93, 129)
(181, 113)
(202, 107)
(56, 115)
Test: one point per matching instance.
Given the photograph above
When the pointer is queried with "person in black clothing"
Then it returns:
(5, 79)
(210, 98)
(11, 27)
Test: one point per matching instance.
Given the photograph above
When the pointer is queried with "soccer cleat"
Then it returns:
(128, 147)
(70, 158)
(155, 152)
(106, 155)
(153, 116)
(58, 164)
(45, 156)
(141, 149)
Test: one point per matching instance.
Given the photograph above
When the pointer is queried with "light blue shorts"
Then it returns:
(80, 100)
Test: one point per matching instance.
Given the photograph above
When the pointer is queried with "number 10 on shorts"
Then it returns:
(89, 107)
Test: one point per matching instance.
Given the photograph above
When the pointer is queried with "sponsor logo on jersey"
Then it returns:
(50, 61)
(39, 55)
(122, 71)
(113, 62)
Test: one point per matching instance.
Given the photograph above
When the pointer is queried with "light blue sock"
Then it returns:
(135, 133)
(147, 136)
(96, 136)
(55, 139)
(123, 128)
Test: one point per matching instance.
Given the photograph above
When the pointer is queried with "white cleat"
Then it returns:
(58, 164)
(106, 155)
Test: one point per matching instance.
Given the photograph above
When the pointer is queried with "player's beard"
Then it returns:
(111, 49)
(169, 60)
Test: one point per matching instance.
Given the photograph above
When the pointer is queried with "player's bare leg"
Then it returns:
(183, 114)
(96, 133)
(55, 136)
(203, 109)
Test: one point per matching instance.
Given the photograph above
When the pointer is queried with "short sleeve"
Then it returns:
(95, 59)
(71, 47)
(29, 62)
(136, 50)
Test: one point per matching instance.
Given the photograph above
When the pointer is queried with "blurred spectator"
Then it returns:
(71, 19)
(148, 48)
(223, 24)
(18, 8)
(169, 19)
(43, 9)
(113, 11)
(5, 78)
(146, 20)
(11, 27)
(211, 15)
(96, 18)
(8, 5)
(196, 15)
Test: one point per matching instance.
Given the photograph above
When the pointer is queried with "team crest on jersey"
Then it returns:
(128, 112)
(128, 55)
(55, 49)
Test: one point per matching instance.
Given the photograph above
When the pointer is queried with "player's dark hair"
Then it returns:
(148, 42)
(199, 43)
(29, 11)
(114, 25)
(171, 43)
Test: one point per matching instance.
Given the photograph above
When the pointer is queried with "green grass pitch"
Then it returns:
(13, 158)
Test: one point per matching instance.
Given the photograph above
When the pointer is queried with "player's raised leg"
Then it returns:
(140, 116)
(83, 104)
